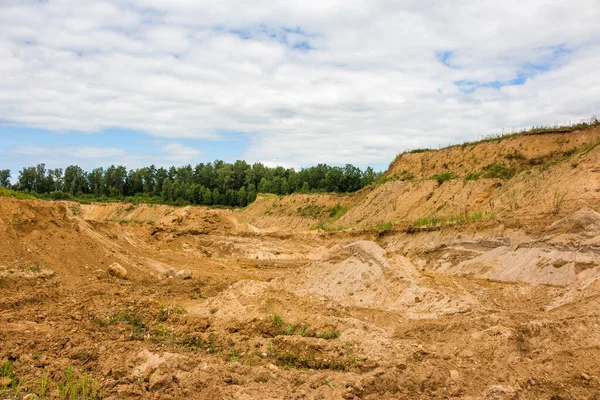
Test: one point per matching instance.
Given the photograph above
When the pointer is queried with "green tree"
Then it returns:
(5, 178)
(167, 191)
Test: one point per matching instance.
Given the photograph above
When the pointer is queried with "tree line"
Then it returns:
(217, 183)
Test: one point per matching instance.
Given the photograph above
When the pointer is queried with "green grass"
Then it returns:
(384, 226)
(311, 211)
(335, 213)
(7, 370)
(472, 176)
(278, 321)
(133, 318)
(290, 330)
(328, 335)
(452, 220)
(498, 171)
(83, 388)
(443, 177)
(234, 355)
(17, 195)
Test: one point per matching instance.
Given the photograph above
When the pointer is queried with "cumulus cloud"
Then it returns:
(306, 81)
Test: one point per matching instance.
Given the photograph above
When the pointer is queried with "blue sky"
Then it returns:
(285, 83)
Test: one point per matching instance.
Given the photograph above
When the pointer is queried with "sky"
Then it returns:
(294, 83)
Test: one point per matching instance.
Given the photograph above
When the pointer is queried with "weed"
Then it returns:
(132, 318)
(35, 268)
(290, 330)
(515, 156)
(278, 321)
(452, 219)
(75, 209)
(498, 171)
(384, 226)
(337, 211)
(44, 385)
(212, 345)
(234, 355)
(7, 370)
(303, 330)
(310, 211)
(328, 335)
(443, 177)
(472, 176)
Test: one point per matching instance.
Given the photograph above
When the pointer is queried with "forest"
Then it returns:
(213, 184)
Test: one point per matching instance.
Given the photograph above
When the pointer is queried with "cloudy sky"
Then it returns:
(294, 83)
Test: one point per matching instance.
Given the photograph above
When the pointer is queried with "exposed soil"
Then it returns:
(500, 308)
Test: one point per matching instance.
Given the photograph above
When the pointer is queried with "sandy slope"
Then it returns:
(502, 308)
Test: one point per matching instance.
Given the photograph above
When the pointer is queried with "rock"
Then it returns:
(586, 376)
(454, 374)
(501, 392)
(5, 381)
(183, 274)
(273, 367)
(170, 272)
(101, 349)
(117, 270)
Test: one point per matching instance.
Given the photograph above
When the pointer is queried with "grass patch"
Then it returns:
(452, 220)
(133, 318)
(311, 211)
(277, 321)
(384, 226)
(328, 335)
(335, 213)
(472, 176)
(498, 171)
(84, 388)
(443, 177)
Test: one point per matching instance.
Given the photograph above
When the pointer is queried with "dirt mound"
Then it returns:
(518, 152)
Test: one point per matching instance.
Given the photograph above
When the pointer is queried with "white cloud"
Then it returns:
(371, 84)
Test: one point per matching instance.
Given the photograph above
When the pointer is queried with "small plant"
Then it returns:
(35, 268)
(290, 330)
(303, 330)
(278, 321)
(44, 385)
(498, 171)
(75, 209)
(337, 211)
(443, 177)
(384, 226)
(328, 335)
(234, 355)
(132, 318)
(7, 370)
(472, 176)
(212, 345)
(515, 156)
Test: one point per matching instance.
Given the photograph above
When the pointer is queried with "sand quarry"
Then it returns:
(254, 304)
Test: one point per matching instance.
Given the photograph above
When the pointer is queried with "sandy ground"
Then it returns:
(498, 308)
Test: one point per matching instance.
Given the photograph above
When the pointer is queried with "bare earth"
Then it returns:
(506, 307)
